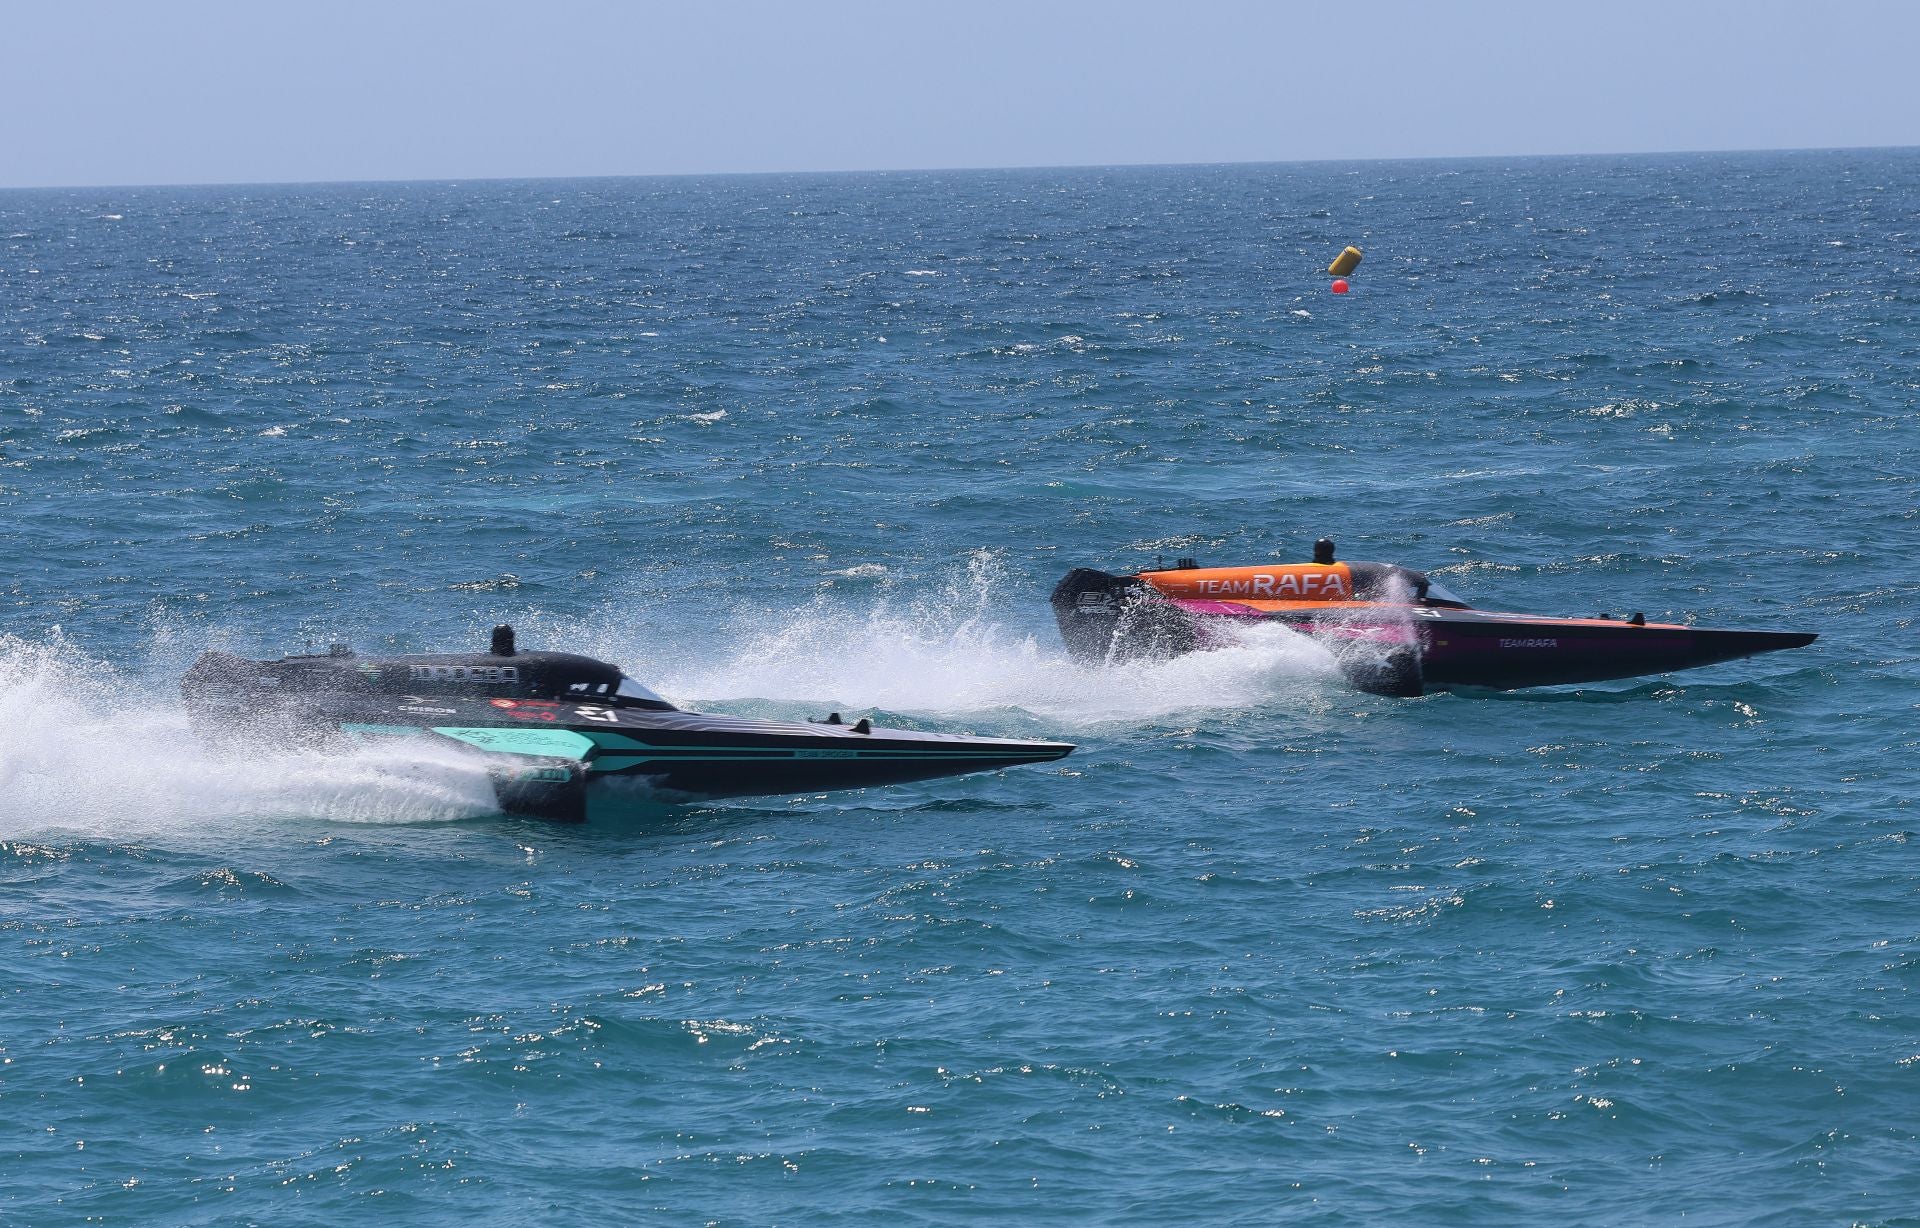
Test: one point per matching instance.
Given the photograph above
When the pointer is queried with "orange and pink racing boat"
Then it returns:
(1392, 630)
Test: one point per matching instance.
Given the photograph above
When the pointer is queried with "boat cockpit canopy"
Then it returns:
(624, 693)
(1437, 594)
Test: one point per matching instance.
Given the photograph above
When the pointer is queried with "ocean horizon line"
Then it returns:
(841, 173)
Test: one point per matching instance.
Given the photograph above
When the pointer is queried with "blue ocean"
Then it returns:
(1263, 950)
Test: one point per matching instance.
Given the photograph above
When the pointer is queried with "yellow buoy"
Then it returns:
(1345, 263)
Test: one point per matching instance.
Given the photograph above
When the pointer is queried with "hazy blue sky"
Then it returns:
(219, 91)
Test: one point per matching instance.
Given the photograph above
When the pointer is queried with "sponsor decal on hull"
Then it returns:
(1285, 586)
(528, 709)
(464, 673)
(1270, 582)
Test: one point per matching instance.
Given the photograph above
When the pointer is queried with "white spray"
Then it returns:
(86, 748)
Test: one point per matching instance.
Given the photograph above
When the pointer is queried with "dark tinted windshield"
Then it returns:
(626, 692)
(629, 689)
(1437, 594)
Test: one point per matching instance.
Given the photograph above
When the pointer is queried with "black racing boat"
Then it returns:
(548, 724)
(1392, 630)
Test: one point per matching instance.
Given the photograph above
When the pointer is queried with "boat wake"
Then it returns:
(85, 747)
(903, 666)
(958, 653)
(107, 749)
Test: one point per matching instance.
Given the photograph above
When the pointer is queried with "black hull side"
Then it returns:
(771, 777)
(1508, 651)
(707, 755)
(1105, 618)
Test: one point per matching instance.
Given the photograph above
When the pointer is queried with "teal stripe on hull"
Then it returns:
(546, 743)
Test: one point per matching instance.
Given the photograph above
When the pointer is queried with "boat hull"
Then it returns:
(1507, 651)
(1398, 648)
(544, 755)
(703, 755)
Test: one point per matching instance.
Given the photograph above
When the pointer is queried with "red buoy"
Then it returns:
(1339, 285)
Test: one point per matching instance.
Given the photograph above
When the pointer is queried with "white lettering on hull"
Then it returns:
(1284, 587)
(464, 673)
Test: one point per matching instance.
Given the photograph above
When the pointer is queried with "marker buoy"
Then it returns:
(1339, 285)
(1345, 263)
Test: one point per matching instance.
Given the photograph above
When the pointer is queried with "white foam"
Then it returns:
(97, 748)
(951, 653)
(86, 747)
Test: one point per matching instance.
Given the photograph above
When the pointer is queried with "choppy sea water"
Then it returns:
(1263, 949)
